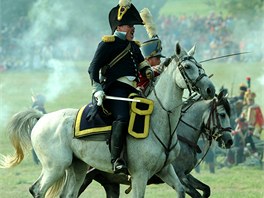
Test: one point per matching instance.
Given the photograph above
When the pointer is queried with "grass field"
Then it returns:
(15, 89)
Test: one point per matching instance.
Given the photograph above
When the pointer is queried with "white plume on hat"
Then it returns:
(124, 3)
(148, 22)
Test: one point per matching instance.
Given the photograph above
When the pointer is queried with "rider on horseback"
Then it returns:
(151, 50)
(120, 77)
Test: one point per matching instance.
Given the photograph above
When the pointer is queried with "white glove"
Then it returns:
(99, 96)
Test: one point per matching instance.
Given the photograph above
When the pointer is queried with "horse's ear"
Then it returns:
(192, 51)
(221, 95)
(178, 49)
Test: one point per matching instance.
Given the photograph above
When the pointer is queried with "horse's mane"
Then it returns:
(190, 101)
(222, 100)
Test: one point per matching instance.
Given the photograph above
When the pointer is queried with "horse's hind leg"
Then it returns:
(75, 178)
(168, 175)
(35, 187)
(48, 178)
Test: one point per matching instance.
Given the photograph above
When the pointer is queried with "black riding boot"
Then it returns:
(119, 131)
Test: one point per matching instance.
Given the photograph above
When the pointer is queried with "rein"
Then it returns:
(214, 119)
(170, 147)
(172, 132)
(210, 129)
(191, 85)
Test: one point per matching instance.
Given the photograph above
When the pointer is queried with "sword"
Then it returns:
(235, 54)
(121, 98)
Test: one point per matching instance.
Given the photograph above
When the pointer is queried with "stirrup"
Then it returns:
(119, 166)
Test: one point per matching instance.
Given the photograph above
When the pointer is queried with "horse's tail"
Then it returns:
(19, 130)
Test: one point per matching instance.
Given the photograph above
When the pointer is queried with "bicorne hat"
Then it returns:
(124, 13)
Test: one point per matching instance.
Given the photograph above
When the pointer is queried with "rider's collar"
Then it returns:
(121, 35)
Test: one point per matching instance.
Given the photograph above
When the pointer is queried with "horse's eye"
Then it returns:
(187, 66)
(222, 115)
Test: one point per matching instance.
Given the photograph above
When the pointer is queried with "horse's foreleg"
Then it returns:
(112, 187)
(190, 190)
(89, 177)
(168, 175)
(199, 185)
(139, 183)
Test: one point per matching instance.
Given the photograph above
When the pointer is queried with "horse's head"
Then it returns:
(218, 123)
(190, 74)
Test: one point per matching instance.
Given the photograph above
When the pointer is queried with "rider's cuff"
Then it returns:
(143, 64)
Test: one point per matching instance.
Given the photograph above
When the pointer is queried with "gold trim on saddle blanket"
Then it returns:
(138, 123)
(96, 130)
(135, 113)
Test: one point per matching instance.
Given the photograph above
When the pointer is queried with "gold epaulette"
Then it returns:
(138, 43)
(108, 38)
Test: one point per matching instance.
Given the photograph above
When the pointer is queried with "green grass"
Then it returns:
(15, 93)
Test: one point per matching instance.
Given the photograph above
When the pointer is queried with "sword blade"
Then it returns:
(121, 98)
(228, 55)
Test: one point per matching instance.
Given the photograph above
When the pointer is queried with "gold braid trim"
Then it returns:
(108, 38)
(138, 43)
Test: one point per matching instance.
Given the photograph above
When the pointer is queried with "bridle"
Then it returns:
(170, 147)
(212, 129)
(191, 85)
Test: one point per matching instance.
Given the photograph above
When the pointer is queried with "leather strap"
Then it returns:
(119, 56)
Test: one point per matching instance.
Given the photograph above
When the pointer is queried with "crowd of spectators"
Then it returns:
(214, 35)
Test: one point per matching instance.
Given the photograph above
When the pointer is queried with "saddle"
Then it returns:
(98, 126)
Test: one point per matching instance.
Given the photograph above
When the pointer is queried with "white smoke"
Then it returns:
(5, 109)
(57, 83)
(260, 93)
(48, 44)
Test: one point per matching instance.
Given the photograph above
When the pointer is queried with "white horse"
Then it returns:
(209, 118)
(51, 136)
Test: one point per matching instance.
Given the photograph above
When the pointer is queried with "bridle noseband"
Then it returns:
(191, 85)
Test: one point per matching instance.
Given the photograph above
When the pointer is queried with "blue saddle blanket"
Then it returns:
(99, 124)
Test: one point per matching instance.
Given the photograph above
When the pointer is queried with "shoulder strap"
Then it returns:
(120, 56)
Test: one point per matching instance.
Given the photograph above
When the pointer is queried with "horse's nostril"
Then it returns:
(229, 143)
(208, 91)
